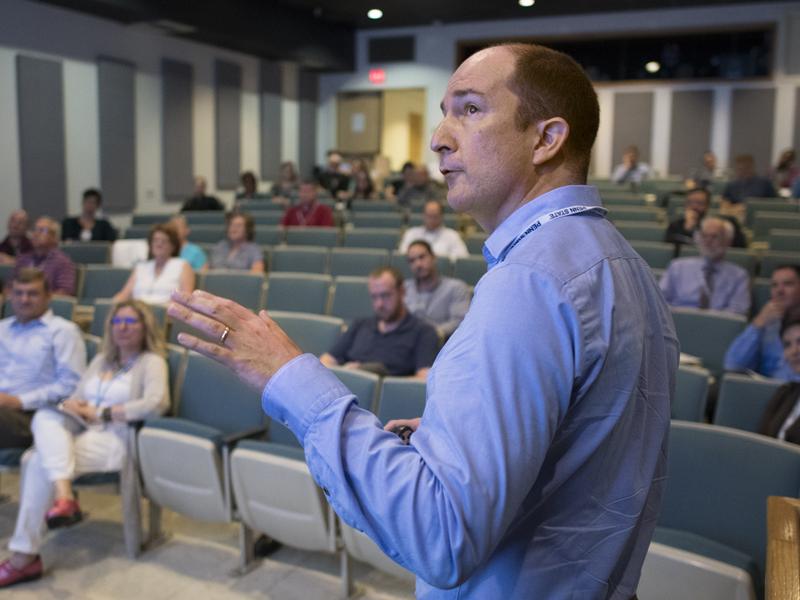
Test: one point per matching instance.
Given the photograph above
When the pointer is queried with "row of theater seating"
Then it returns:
(218, 458)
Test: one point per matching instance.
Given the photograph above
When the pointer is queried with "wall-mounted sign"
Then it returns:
(377, 76)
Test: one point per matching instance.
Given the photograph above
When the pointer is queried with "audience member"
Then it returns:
(781, 418)
(682, 230)
(786, 171)
(126, 381)
(16, 241)
(363, 189)
(88, 227)
(332, 177)
(154, 280)
(42, 357)
(631, 169)
(237, 250)
(249, 187)
(191, 253)
(288, 182)
(746, 184)
(758, 348)
(419, 188)
(441, 301)
(201, 201)
(45, 255)
(708, 280)
(406, 180)
(443, 240)
(308, 212)
(391, 342)
(704, 175)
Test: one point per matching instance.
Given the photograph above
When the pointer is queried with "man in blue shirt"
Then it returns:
(42, 357)
(708, 281)
(759, 347)
(538, 466)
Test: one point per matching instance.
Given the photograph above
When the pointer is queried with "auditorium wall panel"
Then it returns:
(270, 131)
(691, 129)
(633, 123)
(228, 123)
(752, 125)
(308, 92)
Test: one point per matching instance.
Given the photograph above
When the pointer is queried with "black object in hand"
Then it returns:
(403, 432)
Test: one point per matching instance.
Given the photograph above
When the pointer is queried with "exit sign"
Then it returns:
(377, 76)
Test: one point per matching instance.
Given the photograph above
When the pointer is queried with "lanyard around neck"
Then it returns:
(545, 219)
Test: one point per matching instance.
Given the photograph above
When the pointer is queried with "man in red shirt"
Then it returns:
(307, 212)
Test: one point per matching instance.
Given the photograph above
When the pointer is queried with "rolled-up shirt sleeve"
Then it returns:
(69, 355)
(745, 351)
(440, 505)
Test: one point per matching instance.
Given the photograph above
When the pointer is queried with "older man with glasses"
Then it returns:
(58, 268)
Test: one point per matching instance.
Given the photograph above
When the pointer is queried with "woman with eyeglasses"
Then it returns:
(126, 381)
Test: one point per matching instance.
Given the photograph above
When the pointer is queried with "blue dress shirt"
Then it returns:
(760, 350)
(42, 360)
(683, 283)
(538, 468)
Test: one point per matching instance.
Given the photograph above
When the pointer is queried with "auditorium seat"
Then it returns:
(762, 292)
(641, 232)
(267, 217)
(691, 394)
(299, 259)
(364, 385)
(707, 334)
(148, 219)
(767, 205)
(136, 232)
(88, 253)
(214, 411)
(622, 199)
(770, 260)
(635, 213)
(474, 242)
(207, 234)
(267, 235)
(358, 206)
(449, 220)
(126, 253)
(743, 399)
(101, 282)
(715, 501)
(656, 254)
(312, 236)
(399, 261)
(784, 240)
(93, 345)
(469, 269)
(313, 333)
(300, 292)
(382, 238)
(391, 219)
(350, 299)
(356, 261)
(196, 218)
(245, 288)
(764, 221)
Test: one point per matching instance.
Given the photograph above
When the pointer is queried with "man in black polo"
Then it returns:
(392, 341)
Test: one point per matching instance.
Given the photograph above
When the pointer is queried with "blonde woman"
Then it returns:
(126, 381)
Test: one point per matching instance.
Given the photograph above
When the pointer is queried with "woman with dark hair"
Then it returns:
(786, 171)
(126, 381)
(88, 227)
(782, 417)
(237, 250)
(154, 280)
(288, 181)
(249, 187)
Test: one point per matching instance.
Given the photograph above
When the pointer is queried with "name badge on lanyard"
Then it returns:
(545, 219)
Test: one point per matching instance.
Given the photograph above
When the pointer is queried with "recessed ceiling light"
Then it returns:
(375, 13)
(527, 3)
(653, 66)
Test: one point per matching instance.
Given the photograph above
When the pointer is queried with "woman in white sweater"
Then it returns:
(126, 381)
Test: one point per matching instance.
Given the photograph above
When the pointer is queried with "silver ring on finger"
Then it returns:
(224, 336)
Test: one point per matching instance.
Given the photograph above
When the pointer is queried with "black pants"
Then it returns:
(15, 428)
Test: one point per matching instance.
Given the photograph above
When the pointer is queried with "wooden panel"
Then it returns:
(358, 123)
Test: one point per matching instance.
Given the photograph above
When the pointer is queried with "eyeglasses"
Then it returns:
(125, 320)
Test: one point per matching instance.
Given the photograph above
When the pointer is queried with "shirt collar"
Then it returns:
(517, 221)
(45, 319)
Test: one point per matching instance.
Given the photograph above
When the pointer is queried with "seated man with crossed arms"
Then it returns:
(392, 341)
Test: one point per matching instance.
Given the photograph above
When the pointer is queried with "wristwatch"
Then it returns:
(105, 415)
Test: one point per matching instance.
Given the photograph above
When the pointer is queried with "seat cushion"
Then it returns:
(186, 427)
(273, 448)
(691, 542)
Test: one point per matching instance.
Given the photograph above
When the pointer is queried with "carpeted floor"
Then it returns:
(88, 562)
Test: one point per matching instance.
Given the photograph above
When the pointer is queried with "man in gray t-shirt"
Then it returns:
(441, 301)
